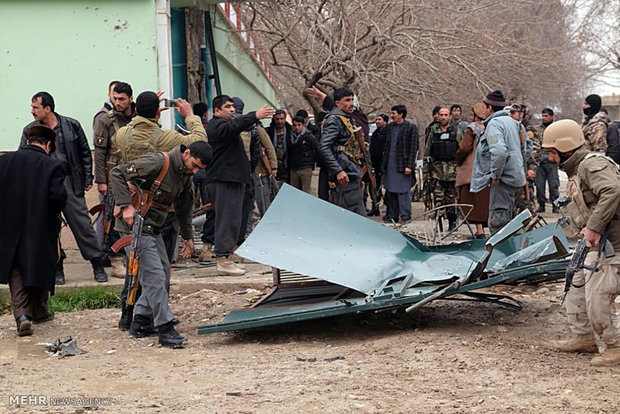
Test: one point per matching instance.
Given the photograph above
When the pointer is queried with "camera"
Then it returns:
(169, 103)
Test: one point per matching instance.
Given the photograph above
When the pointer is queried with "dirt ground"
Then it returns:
(447, 357)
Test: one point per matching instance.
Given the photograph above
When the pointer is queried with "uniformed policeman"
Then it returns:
(594, 189)
(152, 311)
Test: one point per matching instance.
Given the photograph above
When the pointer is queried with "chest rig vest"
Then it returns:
(444, 145)
(576, 212)
(135, 148)
(351, 148)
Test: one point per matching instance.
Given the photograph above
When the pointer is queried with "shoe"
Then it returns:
(609, 358)
(100, 274)
(541, 208)
(581, 343)
(60, 277)
(142, 326)
(169, 337)
(555, 210)
(226, 267)
(237, 260)
(124, 324)
(175, 321)
(480, 236)
(451, 225)
(48, 317)
(118, 267)
(206, 253)
(24, 325)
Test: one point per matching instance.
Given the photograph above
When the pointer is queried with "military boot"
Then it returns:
(226, 267)
(609, 358)
(169, 337)
(581, 343)
(451, 222)
(100, 274)
(142, 326)
(206, 253)
(126, 317)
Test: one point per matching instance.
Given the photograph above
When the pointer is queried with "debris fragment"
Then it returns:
(63, 348)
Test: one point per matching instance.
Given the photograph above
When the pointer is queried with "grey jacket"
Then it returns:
(498, 154)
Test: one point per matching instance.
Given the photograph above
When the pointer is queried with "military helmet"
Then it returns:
(564, 136)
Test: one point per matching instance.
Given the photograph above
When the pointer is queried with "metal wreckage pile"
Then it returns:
(352, 264)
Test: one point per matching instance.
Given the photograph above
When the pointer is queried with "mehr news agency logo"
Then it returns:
(43, 400)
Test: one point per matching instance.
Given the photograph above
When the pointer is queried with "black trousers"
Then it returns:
(227, 198)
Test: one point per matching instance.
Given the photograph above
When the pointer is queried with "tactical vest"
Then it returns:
(576, 212)
(351, 148)
(444, 145)
(135, 148)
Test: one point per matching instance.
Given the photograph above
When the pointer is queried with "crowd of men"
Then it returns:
(495, 161)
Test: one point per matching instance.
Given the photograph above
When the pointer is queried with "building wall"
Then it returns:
(71, 49)
(240, 75)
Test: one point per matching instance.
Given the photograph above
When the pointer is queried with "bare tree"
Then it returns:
(421, 53)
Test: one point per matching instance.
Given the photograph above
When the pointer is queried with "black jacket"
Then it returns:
(230, 162)
(613, 141)
(32, 194)
(71, 141)
(336, 133)
(406, 146)
(377, 145)
(303, 152)
(283, 174)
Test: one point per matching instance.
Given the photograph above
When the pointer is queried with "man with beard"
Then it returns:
(106, 124)
(440, 163)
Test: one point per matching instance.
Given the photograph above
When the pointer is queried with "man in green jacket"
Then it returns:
(152, 311)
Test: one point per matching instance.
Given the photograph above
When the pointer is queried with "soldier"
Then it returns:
(152, 311)
(440, 162)
(106, 124)
(594, 188)
(340, 157)
(595, 124)
(547, 170)
(143, 135)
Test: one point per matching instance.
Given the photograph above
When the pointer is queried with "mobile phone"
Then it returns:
(169, 103)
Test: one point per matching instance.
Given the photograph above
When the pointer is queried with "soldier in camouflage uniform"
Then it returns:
(532, 161)
(595, 124)
(440, 162)
(547, 170)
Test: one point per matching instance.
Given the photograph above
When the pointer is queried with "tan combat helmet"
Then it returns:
(564, 136)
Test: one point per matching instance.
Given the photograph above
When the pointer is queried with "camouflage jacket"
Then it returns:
(595, 132)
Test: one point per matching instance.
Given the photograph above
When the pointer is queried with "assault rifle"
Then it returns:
(202, 209)
(134, 252)
(367, 168)
(428, 192)
(577, 261)
(272, 180)
(107, 209)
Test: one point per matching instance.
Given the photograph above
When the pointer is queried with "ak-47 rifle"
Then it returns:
(272, 180)
(367, 167)
(133, 239)
(202, 209)
(107, 209)
(428, 193)
(577, 260)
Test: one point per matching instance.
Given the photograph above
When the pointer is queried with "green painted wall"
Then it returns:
(240, 75)
(71, 49)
